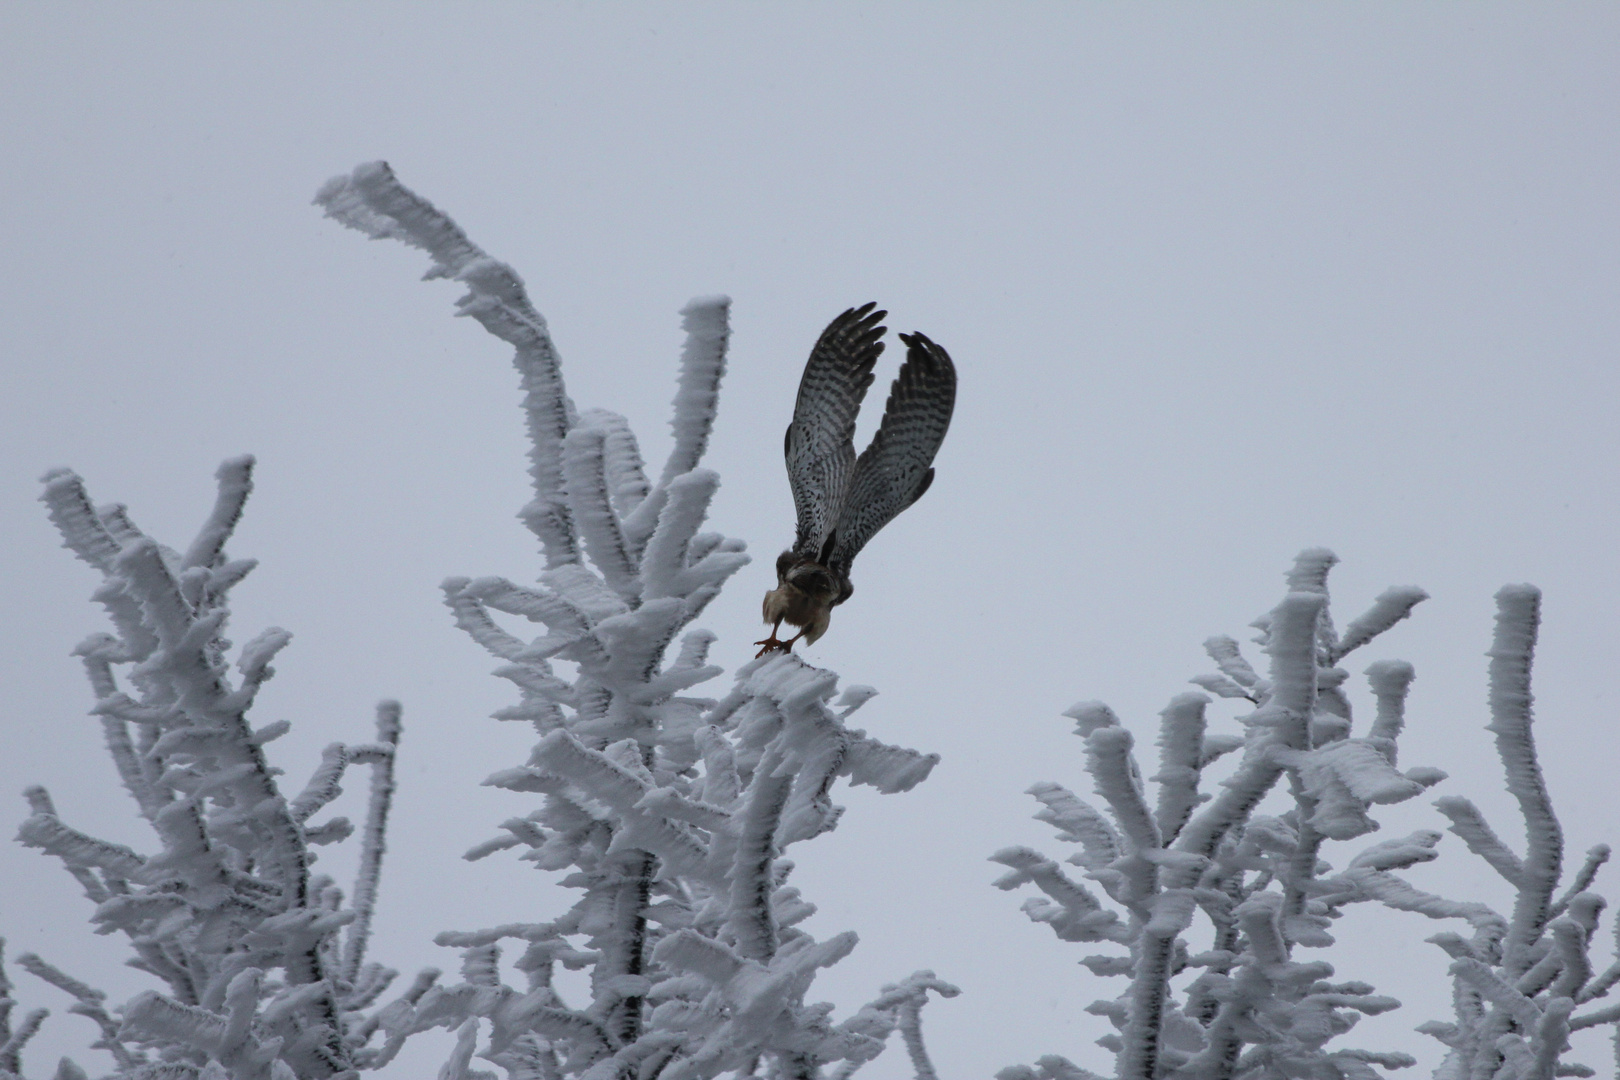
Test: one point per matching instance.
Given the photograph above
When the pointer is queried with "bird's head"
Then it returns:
(810, 578)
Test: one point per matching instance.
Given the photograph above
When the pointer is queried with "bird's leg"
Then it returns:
(773, 643)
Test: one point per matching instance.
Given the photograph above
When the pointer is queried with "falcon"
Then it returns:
(843, 500)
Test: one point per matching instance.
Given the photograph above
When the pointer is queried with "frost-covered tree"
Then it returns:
(262, 962)
(669, 814)
(1212, 901)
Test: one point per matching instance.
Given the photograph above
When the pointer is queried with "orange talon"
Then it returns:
(773, 644)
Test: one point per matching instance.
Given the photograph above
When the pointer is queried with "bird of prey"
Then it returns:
(841, 500)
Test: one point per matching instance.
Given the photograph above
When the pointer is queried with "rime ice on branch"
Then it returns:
(1254, 888)
(263, 964)
(669, 813)
(1519, 980)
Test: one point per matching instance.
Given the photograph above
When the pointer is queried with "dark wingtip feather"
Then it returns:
(921, 348)
(925, 362)
(857, 334)
(860, 319)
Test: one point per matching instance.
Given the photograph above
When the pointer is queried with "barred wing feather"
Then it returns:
(895, 470)
(820, 442)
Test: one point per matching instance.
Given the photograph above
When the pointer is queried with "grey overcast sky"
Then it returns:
(1222, 281)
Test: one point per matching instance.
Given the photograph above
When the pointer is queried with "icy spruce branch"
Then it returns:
(1209, 889)
(372, 201)
(670, 814)
(1518, 617)
(259, 959)
(372, 844)
(14, 1034)
(1519, 980)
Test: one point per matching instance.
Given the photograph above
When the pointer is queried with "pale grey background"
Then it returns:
(1222, 281)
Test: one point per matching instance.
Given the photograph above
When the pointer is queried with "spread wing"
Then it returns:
(895, 470)
(820, 442)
